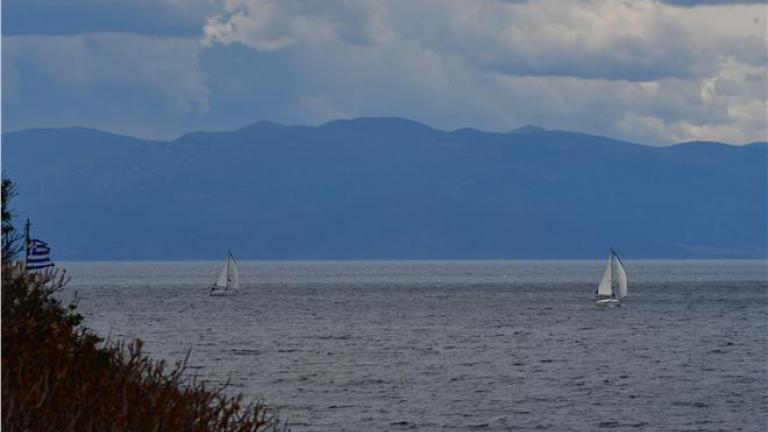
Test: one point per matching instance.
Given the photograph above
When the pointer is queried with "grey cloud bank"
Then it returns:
(647, 71)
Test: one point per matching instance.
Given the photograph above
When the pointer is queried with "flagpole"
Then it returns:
(26, 240)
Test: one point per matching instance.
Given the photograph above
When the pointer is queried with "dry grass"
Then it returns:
(56, 376)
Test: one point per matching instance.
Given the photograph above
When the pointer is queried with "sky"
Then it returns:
(651, 71)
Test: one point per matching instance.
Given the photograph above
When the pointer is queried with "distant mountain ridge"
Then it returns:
(386, 188)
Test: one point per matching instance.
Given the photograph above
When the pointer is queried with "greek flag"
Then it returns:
(38, 255)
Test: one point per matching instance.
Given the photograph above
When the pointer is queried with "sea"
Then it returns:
(455, 345)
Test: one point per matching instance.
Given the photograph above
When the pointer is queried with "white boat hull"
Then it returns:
(611, 302)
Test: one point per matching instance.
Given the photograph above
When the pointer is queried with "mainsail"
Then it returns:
(234, 282)
(621, 276)
(606, 289)
(221, 282)
(228, 279)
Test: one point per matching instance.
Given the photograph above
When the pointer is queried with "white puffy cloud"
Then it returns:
(641, 70)
(275, 24)
(637, 41)
(646, 70)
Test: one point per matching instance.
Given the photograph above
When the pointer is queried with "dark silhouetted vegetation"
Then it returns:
(11, 237)
(59, 376)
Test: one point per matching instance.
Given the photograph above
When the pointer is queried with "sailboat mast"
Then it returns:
(229, 269)
(613, 290)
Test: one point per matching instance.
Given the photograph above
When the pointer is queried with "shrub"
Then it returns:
(57, 376)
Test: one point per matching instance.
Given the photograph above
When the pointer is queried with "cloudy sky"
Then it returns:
(652, 71)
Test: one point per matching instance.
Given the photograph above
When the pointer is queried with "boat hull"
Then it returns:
(221, 293)
(611, 302)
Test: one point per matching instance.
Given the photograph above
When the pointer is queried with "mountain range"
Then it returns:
(385, 188)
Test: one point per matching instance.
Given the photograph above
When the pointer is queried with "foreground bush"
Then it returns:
(57, 376)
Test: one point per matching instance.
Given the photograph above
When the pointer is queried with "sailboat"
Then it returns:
(608, 293)
(228, 281)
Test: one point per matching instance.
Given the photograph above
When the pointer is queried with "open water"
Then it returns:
(434, 346)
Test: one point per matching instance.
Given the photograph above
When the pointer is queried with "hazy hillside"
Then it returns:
(386, 188)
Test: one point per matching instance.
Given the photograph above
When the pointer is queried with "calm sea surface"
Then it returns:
(432, 346)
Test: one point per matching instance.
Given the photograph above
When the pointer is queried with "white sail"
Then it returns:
(229, 278)
(621, 276)
(221, 282)
(604, 289)
(234, 275)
